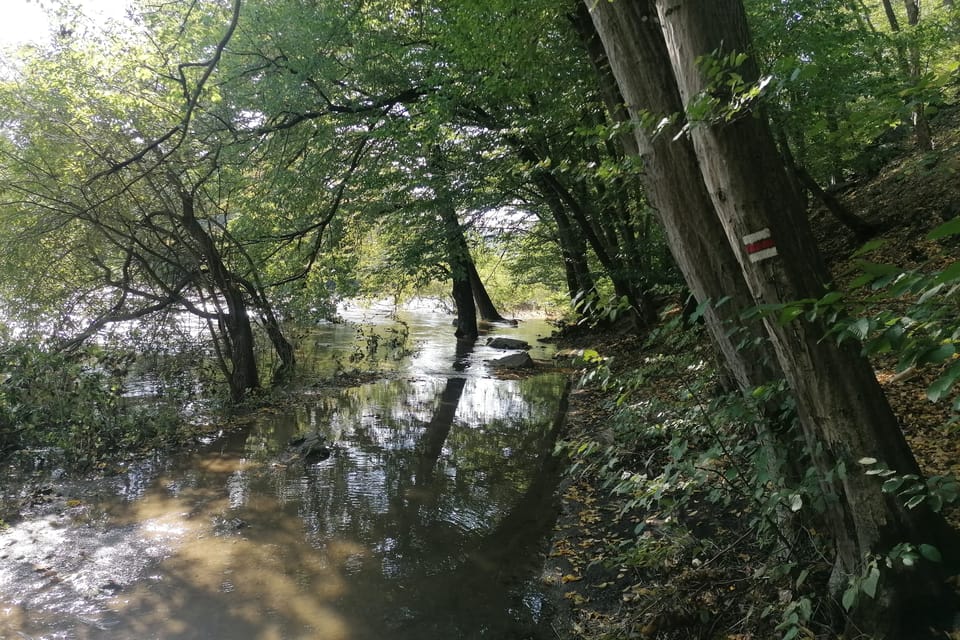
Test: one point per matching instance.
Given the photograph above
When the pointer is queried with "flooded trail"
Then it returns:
(426, 521)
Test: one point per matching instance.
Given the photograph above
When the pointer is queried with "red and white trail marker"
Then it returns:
(759, 245)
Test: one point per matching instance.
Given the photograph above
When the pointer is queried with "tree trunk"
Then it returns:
(458, 255)
(235, 323)
(844, 412)
(921, 125)
(549, 183)
(488, 311)
(572, 247)
(466, 310)
(911, 65)
(281, 346)
(638, 56)
(694, 235)
(913, 12)
(244, 376)
(891, 16)
(862, 229)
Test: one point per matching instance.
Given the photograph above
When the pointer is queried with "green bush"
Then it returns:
(74, 402)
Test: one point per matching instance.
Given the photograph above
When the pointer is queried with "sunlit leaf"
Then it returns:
(949, 228)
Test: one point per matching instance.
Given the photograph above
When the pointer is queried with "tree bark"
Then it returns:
(284, 350)
(458, 256)
(921, 125)
(235, 323)
(572, 247)
(910, 61)
(488, 310)
(891, 15)
(638, 56)
(640, 301)
(844, 412)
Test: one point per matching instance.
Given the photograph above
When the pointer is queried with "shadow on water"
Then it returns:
(427, 521)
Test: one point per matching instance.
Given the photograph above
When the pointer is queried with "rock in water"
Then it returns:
(310, 448)
(507, 343)
(513, 361)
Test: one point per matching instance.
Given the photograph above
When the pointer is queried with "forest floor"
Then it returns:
(626, 572)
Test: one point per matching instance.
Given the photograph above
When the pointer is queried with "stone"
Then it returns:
(513, 361)
(507, 343)
(311, 448)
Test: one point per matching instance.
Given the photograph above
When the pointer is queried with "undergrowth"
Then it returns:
(724, 535)
(72, 408)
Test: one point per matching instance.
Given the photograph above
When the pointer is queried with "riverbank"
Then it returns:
(664, 534)
(660, 536)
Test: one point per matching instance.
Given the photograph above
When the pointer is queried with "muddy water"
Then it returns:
(425, 522)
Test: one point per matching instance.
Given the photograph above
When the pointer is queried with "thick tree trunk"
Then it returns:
(638, 56)
(844, 412)
(466, 310)
(458, 256)
(488, 310)
(244, 376)
(694, 235)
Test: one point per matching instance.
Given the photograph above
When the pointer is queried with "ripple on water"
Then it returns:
(73, 570)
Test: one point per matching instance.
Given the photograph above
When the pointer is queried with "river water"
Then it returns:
(427, 521)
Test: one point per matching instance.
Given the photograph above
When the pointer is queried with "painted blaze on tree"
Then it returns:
(844, 413)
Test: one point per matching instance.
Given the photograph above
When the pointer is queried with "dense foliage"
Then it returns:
(245, 166)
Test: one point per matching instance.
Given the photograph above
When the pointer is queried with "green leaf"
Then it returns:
(930, 552)
(849, 597)
(949, 228)
(942, 385)
(860, 328)
(949, 274)
(790, 313)
(878, 269)
(870, 246)
(916, 500)
(891, 485)
(867, 461)
(936, 354)
(830, 298)
(869, 585)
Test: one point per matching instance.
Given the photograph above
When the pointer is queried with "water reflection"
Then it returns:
(424, 523)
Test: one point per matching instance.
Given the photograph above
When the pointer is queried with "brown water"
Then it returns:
(427, 521)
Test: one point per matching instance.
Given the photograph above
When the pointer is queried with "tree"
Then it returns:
(139, 191)
(844, 414)
(636, 53)
(921, 126)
